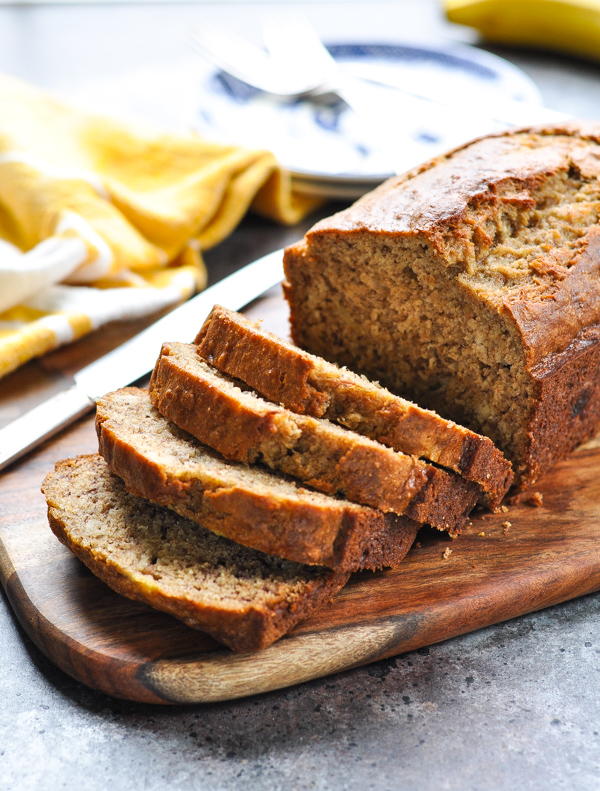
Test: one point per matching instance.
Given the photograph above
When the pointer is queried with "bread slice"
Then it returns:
(241, 597)
(310, 385)
(158, 461)
(471, 283)
(244, 427)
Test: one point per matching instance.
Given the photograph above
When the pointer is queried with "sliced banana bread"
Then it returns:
(158, 461)
(244, 427)
(239, 596)
(310, 385)
(473, 284)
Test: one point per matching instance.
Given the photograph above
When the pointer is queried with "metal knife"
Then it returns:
(136, 357)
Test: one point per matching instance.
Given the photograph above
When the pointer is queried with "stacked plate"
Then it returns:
(426, 99)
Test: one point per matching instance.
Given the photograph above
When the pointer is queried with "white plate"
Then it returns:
(327, 148)
(331, 144)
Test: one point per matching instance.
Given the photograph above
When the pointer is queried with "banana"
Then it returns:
(571, 26)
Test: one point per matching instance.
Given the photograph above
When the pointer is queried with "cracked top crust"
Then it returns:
(514, 217)
(441, 189)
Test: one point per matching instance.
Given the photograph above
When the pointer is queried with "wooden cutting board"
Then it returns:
(503, 566)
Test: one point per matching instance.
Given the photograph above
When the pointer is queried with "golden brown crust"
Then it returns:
(339, 535)
(328, 458)
(545, 324)
(250, 628)
(455, 178)
(567, 409)
(469, 177)
(275, 369)
(215, 417)
(453, 208)
(288, 375)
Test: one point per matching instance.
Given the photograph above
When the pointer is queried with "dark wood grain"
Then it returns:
(495, 572)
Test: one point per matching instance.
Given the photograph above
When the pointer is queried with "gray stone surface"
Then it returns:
(515, 705)
(512, 706)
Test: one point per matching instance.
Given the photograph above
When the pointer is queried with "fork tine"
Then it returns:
(290, 35)
(283, 75)
(233, 54)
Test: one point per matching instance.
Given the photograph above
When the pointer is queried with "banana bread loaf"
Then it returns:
(310, 385)
(158, 461)
(241, 597)
(473, 284)
(244, 427)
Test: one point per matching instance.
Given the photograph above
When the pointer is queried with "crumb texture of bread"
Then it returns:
(241, 597)
(254, 507)
(244, 427)
(473, 285)
(310, 385)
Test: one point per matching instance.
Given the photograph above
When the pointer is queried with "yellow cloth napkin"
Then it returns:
(100, 220)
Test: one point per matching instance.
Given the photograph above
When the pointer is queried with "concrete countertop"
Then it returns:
(514, 705)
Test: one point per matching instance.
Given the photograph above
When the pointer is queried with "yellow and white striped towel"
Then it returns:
(100, 220)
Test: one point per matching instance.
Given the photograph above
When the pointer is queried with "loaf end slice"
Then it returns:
(240, 597)
(244, 427)
(253, 507)
(308, 384)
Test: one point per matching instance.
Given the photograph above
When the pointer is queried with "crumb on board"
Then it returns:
(534, 499)
(504, 509)
(482, 533)
(446, 553)
(506, 526)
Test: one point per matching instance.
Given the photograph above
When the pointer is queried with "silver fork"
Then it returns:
(274, 69)
(296, 63)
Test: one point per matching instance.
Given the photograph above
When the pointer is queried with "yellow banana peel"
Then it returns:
(571, 26)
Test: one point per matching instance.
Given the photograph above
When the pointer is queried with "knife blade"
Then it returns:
(136, 357)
